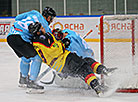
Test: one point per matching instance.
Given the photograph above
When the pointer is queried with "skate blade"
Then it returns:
(110, 73)
(101, 95)
(108, 92)
(22, 85)
(34, 91)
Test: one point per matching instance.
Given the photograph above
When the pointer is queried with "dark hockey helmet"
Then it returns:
(34, 28)
(57, 33)
(49, 12)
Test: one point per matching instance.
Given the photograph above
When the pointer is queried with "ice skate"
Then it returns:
(100, 89)
(108, 71)
(34, 88)
(23, 81)
(104, 90)
(97, 87)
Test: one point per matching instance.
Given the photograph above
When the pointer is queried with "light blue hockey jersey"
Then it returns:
(78, 44)
(22, 22)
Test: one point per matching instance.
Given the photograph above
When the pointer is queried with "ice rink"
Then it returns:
(10, 92)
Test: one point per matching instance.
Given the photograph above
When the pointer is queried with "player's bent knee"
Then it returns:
(37, 58)
(25, 60)
(89, 60)
(85, 70)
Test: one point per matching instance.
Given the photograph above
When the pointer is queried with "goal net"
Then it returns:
(119, 48)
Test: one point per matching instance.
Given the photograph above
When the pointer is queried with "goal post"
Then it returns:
(119, 48)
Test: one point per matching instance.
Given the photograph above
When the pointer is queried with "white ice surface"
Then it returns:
(10, 92)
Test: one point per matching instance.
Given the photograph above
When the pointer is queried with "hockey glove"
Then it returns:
(34, 28)
(66, 42)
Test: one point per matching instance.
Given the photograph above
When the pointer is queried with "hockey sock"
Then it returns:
(24, 66)
(35, 67)
(97, 67)
(89, 78)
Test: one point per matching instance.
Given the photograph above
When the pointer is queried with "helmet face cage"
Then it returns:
(58, 34)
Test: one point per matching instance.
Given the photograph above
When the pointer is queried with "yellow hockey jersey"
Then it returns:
(51, 51)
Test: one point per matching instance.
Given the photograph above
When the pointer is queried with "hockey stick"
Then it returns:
(48, 69)
(43, 73)
(50, 82)
(87, 34)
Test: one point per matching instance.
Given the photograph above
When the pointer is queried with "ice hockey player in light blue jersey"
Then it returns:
(22, 22)
(79, 46)
(19, 39)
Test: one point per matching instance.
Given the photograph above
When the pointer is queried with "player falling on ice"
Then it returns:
(82, 49)
(54, 54)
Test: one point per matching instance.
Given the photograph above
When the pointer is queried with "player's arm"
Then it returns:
(66, 42)
(37, 30)
(39, 34)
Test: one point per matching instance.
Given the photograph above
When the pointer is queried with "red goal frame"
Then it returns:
(123, 90)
